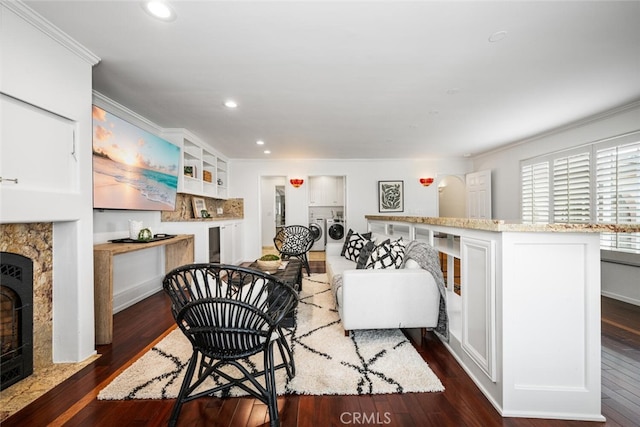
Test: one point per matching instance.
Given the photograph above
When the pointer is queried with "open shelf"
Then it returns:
(208, 170)
(448, 244)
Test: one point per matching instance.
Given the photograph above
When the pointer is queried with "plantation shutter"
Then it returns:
(535, 192)
(571, 189)
(618, 193)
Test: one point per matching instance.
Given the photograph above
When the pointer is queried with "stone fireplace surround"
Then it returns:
(35, 241)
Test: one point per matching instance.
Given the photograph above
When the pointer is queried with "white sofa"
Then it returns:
(382, 298)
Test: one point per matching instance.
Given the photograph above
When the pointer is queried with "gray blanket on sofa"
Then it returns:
(427, 257)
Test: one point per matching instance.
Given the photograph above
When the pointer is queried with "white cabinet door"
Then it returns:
(236, 249)
(335, 195)
(37, 148)
(316, 191)
(226, 244)
(478, 303)
(231, 243)
(326, 191)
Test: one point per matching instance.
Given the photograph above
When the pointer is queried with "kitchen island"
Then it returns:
(524, 315)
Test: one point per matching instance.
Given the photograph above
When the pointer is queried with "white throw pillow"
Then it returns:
(412, 264)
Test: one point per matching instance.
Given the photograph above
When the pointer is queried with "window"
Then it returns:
(571, 195)
(535, 192)
(570, 187)
(618, 193)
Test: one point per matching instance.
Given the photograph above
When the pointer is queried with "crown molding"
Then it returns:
(50, 30)
(124, 112)
(573, 125)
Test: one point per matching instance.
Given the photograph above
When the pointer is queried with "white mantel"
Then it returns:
(526, 327)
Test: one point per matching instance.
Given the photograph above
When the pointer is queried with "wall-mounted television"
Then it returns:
(132, 168)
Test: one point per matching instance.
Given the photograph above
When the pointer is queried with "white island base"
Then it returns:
(526, 323)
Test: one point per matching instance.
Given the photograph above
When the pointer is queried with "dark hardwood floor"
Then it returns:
(74, 402)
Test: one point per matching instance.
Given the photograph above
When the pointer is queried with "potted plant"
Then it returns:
(269, 262)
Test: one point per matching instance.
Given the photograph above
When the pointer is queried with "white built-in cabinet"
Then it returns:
(326, 191)
(524, 314)
(204, 172)
(231, 238)
(44, 121)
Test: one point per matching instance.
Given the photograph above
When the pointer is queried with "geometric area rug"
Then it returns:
(327, 362)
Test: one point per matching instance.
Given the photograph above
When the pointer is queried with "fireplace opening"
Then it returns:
(16, 318)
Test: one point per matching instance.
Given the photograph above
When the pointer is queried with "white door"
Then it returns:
(479, 195)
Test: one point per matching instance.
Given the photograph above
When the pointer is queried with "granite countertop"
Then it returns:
(502, 225)
(212, 218)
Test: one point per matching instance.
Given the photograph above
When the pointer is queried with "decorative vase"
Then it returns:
(134, 229)
(145, 234)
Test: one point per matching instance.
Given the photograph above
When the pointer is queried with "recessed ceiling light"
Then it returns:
(159, 9)
(230, 103)
(497, 36)
(260, 142)
(267, 152)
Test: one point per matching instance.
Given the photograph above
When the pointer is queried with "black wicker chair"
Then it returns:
(294, 241)
(229, 313)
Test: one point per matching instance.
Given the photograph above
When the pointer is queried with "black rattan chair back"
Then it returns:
(229, 313)
(294, 241)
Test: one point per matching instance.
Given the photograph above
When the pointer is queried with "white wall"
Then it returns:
(617, 280)
(360, 194)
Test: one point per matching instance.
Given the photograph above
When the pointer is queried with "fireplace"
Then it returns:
(16, 318)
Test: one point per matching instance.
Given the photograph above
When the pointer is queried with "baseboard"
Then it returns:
(618, 297)
(135, 294)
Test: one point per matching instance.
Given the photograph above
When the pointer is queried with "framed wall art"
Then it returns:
(199, 207)
(390, 196)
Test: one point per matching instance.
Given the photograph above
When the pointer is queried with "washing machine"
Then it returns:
(335, 230)
(317, 226)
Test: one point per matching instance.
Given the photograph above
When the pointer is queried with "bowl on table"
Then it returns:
(269, 265)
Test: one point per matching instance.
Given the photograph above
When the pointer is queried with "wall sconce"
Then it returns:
(426, 181)
(296, 182)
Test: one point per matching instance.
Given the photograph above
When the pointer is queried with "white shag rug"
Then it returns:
(327, 362)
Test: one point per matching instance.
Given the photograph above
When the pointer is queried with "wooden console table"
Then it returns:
(178, 251)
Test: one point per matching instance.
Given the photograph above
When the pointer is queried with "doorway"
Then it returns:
(273, 207)
(452, 202)
(280, 211)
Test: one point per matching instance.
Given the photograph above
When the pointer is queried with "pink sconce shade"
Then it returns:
(426, 181)
(296, 182)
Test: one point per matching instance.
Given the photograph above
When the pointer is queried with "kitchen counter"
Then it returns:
(523, 308)
(502, 225)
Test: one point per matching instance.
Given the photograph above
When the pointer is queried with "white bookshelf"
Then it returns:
(204, 171)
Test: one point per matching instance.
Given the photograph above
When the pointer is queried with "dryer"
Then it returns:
(317, 227)
(335, 230)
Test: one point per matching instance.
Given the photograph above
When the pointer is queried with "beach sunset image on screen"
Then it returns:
(132, 168)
